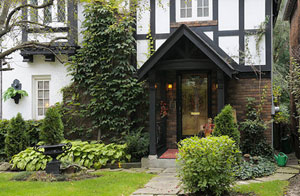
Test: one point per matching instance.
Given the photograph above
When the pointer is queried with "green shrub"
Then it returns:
(90, 155)
(206, 165)
(3, 130)
(15, 140)
(249, 170)
(137, 145)
(225, 125)
(33, 131)
(253, 137)
(52, 128)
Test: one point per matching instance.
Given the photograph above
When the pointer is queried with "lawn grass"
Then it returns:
(272, 188)
(108, 184)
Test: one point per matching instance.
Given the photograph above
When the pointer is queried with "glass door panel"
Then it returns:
(194, 103)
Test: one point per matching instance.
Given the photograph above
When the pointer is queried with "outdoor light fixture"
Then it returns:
(170, 86)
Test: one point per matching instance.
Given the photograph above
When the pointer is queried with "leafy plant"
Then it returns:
(3, 131)
(33, 128)
(105, 95)
(15, 140)
(207, 164)
(225, 125)
(252, 129)
(11, 92)
(90, 155)
(137, 145)
(249, 170)
(29, 160)
(52, 128)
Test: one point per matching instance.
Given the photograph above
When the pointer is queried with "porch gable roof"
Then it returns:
(201, 41)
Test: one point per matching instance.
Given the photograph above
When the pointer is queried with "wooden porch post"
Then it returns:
(152, 131)
(221, 90)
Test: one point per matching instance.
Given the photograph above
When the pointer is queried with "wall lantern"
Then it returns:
(170, 86)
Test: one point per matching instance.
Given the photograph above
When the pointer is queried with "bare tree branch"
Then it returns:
(30, 44)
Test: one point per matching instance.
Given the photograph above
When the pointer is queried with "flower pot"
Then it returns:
(53, 167)
(16, 98)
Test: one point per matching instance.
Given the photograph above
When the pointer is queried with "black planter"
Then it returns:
(53, 167)
(17, 97)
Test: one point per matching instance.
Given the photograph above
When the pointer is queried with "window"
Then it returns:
(193, 10)
(61, 10)
(41, 97)
(47, 14)
(33, 13)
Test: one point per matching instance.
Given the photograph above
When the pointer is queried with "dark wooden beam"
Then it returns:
(152, 123)
(221, 90)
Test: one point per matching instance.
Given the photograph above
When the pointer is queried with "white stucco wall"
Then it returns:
(230, 45)
(159, 42)
(162, 18)
(142, 52)
(254, 55)
(209, 34)
(228, 15)
(254, 13)
(143, 17)
(25, 72)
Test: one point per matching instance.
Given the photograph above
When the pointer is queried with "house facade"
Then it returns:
(200, 55)
(41, 72)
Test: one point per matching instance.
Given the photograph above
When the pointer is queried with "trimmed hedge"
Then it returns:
(207, 164)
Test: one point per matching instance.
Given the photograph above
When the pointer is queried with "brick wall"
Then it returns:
(294, 29)
(239, 90)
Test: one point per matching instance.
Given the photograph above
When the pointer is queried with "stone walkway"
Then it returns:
(166, 183)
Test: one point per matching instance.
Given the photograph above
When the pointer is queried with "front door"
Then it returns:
(193, 104)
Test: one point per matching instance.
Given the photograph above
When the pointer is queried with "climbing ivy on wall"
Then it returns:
(105, 98)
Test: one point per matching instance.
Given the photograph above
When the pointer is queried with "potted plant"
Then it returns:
(52, 134)
(12, 93)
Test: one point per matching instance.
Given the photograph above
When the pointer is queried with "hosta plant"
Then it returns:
(11, 93)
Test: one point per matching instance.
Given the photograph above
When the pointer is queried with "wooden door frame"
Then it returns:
(179, 97)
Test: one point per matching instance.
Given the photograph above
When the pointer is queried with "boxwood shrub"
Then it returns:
(207, 164)
(90, 155)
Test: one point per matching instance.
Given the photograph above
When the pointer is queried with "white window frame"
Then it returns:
(194, 12)
(35, 80)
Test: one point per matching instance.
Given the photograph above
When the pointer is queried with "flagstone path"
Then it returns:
(166, 183)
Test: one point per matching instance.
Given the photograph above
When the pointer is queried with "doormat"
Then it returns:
(169, 154)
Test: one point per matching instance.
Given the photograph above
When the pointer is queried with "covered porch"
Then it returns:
(187, 83)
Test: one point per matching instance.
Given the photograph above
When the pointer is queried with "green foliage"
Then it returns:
(249, 170)
(95, 155)
(252, 129)
(52, 128)
(33, 131)
(105, 96)
(90, 155)
(225, 125)
(206, 165)
(137, 145)
(11, 92)
(15, 140)
(3, 130)
(29, 160)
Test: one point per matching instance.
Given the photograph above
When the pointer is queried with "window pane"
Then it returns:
(182, 13)
(189, 3)
(40, 85)
(40, 112)
(189, 13)
(46, 85)
(40, 103)
(46, 102)
(40, 94)
(182, 3)
(33, 12)
(46, 95)
(205, 11)
(205, 2)
(61, 10)
(200, 14)
(47, 13)
(199, 3)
